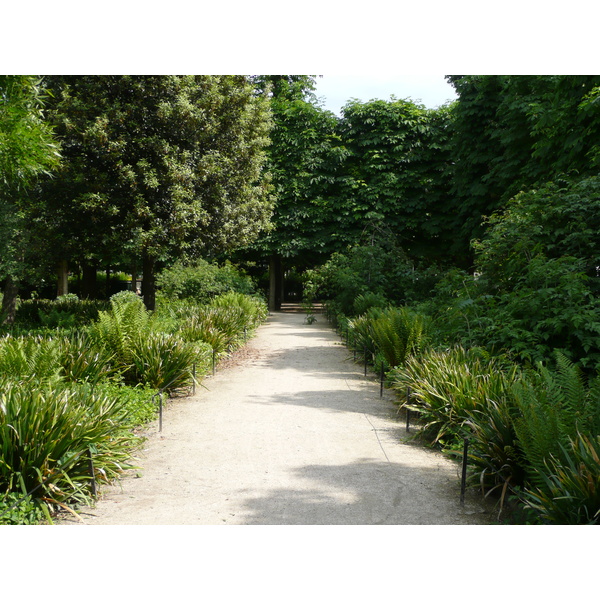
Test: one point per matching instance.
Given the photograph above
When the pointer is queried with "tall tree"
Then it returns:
(304, 155)
(513, 133)
(28, 150)
(159, 166)
(397, 173)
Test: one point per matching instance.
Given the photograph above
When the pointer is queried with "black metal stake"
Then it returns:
(463, 482)
(194, 379)
(92, 472)
(365, 361)
(213, 361)
(160, 411)
(382, 379)
(407, 419)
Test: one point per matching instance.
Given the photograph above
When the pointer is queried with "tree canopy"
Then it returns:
(157, 167)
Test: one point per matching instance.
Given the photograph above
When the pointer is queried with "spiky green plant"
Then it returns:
(48, 432)
(83, 361)
(398, 333)
(495, 458)
(165, 361)
(569, 493)
(447, 385)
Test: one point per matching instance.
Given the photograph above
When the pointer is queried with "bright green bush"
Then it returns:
(446, 386)
(48, 432)
(202, 281)
(569, 493)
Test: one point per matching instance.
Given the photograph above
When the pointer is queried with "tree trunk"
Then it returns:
(9, 301)
(62, 271)
(134, 277)
(149, 281)
(88, 281)
(275, 282)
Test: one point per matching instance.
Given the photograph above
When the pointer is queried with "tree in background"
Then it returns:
(513, 133)
(304, 158)
(397, 174)
(28, 150)
(157, 167)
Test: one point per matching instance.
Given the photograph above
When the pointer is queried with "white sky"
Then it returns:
(430, 90)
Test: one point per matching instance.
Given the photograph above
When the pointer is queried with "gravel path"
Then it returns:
(290, 432)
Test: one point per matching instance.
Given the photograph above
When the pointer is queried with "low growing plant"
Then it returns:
(48, 434)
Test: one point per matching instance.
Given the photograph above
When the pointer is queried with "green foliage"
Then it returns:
(138, 404)
(376, 267)
(396, 173)
(27, 147)
(119, 329)
(53, 313)
(445, 386)
(303, 159)
(47, 433)
(16, 509)
(390, 335)
(202, 281)
(156, 167)
(363, 302)
(570, 490)
(554, 406)
(165, 361)
(513, 133)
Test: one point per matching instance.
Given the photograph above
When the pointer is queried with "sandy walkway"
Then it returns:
(293, 434)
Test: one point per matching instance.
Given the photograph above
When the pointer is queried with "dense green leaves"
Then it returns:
(156, 167)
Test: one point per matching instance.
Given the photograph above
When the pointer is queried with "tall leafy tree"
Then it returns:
(514, 133)
(28, 150)
(304, 158)
(159, 166)
(397, 173)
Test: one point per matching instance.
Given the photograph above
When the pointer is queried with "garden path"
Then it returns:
(289, 432)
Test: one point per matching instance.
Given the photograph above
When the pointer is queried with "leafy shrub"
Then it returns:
(47, 434)
(446, 386)
(16, 509)
(202, 281)
(63, 311)
(569, 493)
(364, 302)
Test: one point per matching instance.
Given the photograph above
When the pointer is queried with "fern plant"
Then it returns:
(120, 329)
(397, 334)
(555, 406)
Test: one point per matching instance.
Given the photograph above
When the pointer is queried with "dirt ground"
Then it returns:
(289, 431)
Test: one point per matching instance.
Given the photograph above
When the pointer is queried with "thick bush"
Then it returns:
(202, 281)
(48, 434)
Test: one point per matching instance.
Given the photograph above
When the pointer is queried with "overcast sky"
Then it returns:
(430, 90)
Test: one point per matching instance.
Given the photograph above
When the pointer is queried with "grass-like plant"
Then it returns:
(569, 493)
(49, 432)
(165, 361)
(446, 386)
